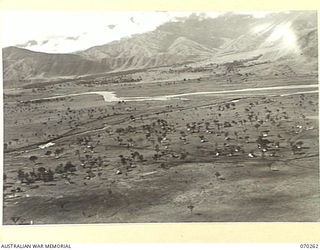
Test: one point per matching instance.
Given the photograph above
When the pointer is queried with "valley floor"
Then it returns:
(242, 156)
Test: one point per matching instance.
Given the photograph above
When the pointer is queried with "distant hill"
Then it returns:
(21, 64)
(191, 39)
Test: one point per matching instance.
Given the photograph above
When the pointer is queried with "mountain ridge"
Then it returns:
(192, 39)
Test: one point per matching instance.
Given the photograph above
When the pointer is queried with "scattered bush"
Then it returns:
(68, 167)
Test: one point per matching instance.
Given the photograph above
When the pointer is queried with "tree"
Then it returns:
(207, 124)
(21, 175)
(58, 151)
(48, 152)
(123, 160)
(141, 157)
(69, 167)
(191, 207)
(33, 158)
(59, 169)
(50, 175)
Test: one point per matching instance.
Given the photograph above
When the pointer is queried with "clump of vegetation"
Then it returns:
(67, 168)
(42, 174)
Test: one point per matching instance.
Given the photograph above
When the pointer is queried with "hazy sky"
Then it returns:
(72, 31)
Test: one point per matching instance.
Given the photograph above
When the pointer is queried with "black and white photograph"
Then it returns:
(160, 117)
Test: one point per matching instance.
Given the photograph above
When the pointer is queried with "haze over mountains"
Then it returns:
(280, 36)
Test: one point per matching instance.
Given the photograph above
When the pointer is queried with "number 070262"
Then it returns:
(309, 246)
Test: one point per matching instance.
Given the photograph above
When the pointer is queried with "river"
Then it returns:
(110, 96)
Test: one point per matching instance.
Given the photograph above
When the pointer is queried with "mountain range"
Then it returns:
(192, 39)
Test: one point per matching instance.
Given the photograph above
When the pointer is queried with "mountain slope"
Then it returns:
(151, 49)
(21, 64)
(281, 36)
